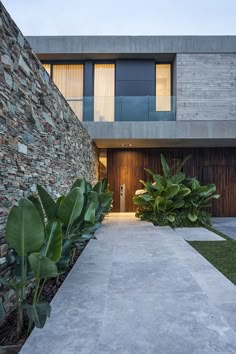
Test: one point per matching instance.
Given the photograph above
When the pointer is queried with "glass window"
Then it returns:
(163, 87)
(69, 80)
(47, 67)
(104, 92)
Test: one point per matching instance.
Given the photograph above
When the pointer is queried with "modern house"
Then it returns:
(139, 96)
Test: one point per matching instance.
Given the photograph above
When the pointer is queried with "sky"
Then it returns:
(124, 17)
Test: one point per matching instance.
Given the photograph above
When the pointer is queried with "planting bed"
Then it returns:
(8, 341)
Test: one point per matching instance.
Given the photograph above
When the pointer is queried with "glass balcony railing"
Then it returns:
(124, 108)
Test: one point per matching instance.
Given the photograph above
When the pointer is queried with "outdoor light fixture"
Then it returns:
(126, 145)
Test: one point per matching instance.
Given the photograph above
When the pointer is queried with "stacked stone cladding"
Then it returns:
(41, 139)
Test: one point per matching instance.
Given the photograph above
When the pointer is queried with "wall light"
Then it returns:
(126, 145)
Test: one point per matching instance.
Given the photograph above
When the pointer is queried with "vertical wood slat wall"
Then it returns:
(209, 165)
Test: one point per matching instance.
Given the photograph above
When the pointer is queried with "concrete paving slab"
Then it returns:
(226, 225)
(198, 234)
(137, 292)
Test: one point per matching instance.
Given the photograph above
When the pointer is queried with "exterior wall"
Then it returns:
(41, 139)
(209, 165)
(206, 86)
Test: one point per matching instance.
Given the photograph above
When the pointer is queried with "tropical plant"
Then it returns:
(36, 250)
(172, 199)
(43, 235)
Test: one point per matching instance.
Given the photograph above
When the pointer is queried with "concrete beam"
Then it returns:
(139, 45)
(157, 134)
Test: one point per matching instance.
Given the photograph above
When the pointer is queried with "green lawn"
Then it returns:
(222, 254)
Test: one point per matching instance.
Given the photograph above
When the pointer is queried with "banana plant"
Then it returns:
(25, 234)
(105, 198)
(43, 265)
(38, 248)
(43, 233)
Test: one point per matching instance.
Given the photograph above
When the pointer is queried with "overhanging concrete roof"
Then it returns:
(118, 46)
(157, 134)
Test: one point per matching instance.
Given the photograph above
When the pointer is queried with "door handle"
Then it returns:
(121, 190)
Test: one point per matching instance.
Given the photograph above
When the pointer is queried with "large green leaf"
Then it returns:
(149, 171)
(207, 190)
(91, 206)
(145, 197)
(192, 216)
(195, 184)
(105, 199)
(171, 218)
(137, 200)
(49, 205)
(160, 181)
(171, 191)
(98, 187)
(105, 186)
(38, 206)
(158, 202)
(38, 313)
(52, 246)
(71, 206)
(179, 203)
(215, 196)
(149, 187)
(89, 187)
(165, 167)
(42, 267)
(81, 183)
(59, 200)
(64, 261)
(183, 192)
(24, 229)
(177, 178)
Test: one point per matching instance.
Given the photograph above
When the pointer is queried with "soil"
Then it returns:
(8, 328)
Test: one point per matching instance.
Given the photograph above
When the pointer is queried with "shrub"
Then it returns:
(174, 200)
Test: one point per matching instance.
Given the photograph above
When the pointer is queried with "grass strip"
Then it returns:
(221, 254)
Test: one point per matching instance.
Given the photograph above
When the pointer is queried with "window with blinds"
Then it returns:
(104, 92)
(69, 80)
(163, 87)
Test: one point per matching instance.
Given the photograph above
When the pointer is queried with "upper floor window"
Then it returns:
(69, 80)
(104, 92)
(163, 87)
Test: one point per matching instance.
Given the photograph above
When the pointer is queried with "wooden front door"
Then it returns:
(124, 168)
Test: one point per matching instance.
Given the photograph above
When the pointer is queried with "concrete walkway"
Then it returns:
(198, 234)
(140, 289)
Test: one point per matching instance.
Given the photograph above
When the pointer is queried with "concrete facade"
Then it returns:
(206, 86)
(203, 83)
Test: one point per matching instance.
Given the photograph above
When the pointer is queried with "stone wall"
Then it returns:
(41, 139)
(206, 86)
